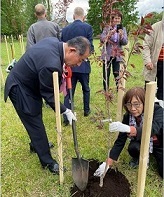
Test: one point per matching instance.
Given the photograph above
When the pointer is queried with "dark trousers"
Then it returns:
(83, 78)
(115, 67)
(35, 128)
(134, 151)
(159, 79)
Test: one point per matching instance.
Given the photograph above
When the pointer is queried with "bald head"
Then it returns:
(40, 10)
(79, 14)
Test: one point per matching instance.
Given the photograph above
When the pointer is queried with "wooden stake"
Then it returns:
(12, 41)
(23, 50)
(2, 78)
(146, 133)
(58, 124)
(7, 50)
(20, 42)
(121, 93)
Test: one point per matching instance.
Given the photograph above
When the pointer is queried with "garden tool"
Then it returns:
(12, 64)
(80, 166)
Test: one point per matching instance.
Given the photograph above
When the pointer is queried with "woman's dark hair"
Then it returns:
(80, 43)
(116, 13)
(137, 92)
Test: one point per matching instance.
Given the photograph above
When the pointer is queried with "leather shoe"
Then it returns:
(53, 167)
(65, 123)
(134, 162)
(86, 113)
(32, 149)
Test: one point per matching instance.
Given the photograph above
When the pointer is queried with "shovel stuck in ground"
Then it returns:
(80, 166)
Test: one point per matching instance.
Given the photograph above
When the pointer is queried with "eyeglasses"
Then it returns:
(135, 105)
(81, 59)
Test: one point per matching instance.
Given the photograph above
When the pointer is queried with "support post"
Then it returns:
(58, 124)
(146, 133)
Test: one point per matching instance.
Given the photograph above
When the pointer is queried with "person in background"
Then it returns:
(81, 73)
(31, 80)
(131, 128)
(153, 57)
(116, 37)
(42, 28)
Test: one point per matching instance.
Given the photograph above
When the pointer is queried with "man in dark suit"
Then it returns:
(31, 80)
(81, 73)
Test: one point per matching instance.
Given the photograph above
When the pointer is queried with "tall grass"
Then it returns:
(22, 174)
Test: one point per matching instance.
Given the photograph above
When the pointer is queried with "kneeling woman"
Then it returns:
(131, 127)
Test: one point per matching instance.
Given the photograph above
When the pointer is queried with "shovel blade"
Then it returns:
(80, 170)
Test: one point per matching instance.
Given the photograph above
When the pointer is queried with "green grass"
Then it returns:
(22, 174)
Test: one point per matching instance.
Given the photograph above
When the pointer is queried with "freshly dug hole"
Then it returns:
(115, 184)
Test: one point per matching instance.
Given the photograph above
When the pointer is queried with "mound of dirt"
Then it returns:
(115, 184)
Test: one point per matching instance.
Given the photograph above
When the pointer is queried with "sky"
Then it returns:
(143, 6)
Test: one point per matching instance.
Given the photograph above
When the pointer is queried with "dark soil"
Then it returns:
(115, 184)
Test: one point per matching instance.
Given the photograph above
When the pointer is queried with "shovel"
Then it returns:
(80, 167)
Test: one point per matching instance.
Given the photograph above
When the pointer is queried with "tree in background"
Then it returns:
(13, 19)
(18, 15)
(94, 16)
(95, 13)
(60, 12)
(29, 11)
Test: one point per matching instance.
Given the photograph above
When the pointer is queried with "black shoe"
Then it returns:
(32, 149)
(86, 113)
(134, 162)
(65, 123)
(54, 167)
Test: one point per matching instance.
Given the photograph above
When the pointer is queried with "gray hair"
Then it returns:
(80, 43)
(40, 9)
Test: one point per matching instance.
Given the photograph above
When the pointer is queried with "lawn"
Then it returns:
(21, 173)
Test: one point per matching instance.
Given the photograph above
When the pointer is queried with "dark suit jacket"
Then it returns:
(79, 28)
(157, 129)
(33, 75)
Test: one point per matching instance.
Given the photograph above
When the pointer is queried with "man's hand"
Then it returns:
(70, 116)
(118, 126)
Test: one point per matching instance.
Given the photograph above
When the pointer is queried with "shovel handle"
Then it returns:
(74, 126)
(68, 75)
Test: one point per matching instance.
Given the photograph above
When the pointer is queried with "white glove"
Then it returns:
(70, 116)
(99, 172)
(118, 126)
(161, 102)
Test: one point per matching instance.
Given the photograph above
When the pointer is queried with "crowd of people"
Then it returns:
(49, 50)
